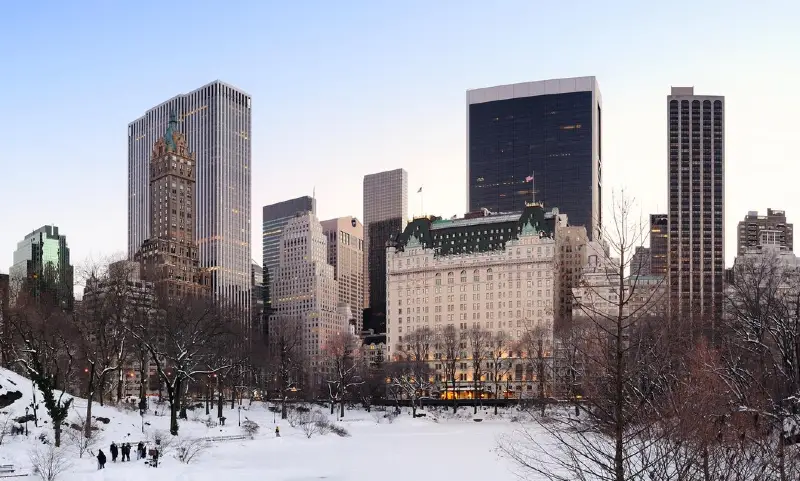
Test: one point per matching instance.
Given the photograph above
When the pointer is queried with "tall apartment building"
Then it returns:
(216, 119)
(274, 219)
(551, 130)
(5, 329)
(659, 244)
(42, 266)
(305, 288)
(750, 228)
(385, 216)
(346, 255)
(495, 272)
(257, 303)
(696, 257)
(169, 258)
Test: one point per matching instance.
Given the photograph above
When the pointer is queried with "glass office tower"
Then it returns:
(550, 130)
(216, 120)
(42, 266)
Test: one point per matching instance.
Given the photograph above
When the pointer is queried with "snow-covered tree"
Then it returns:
(185, 339)
(341, 360)
(411, 374)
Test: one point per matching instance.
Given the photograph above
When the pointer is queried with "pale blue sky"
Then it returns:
(342, 89)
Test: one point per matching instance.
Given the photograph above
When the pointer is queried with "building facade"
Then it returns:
(170, 258)
(216, 120)
(659, 244)
(750, 228)
(550, 130)
(304, 289)
(274, 219)
(257, 303)
(42, 265)
(385, 216)
(496, 273)
(346, 255)
(5, 329)
(696, 256)
(571, 255)
(640, 261)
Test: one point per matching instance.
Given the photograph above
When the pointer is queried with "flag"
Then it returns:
(529, 178)
(420, 190)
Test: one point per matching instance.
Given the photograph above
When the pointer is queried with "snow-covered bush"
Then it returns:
(49, 462)
(162, 440)
(186, 449)
(76, 436)
(250, 427)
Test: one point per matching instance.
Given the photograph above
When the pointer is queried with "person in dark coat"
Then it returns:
(140, 450)
(101, 459)
(277, 431)
(128, 451)
(114, 451)
(124, 450)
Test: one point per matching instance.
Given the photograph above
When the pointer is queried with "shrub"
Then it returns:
(250, 427)
(339, 430)
(49, 462)
(186, 449)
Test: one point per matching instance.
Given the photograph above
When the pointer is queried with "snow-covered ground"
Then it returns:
(406, 448)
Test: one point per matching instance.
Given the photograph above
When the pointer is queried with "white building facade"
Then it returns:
(304, 289)
(496, 272)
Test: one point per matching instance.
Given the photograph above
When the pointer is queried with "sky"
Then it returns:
(343, 89)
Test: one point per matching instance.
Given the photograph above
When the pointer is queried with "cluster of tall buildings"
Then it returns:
(534, 224)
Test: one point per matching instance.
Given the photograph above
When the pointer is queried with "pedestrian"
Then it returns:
(140, 450)
(277, 431)
(128, 452)
(114, 451)
(101, 459)
(155, 457)
(123, 449)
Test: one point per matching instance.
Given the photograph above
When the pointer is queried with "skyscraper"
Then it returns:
(42, 266)
(305, 289)
(550, 130)
(696, 203)
(169, 258)
(385, 216)
(659, 244)
(750, 228)
(275, 218)
(216, 120)
(346, 255)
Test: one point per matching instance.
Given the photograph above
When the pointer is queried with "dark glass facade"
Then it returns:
(549, 136)
(380, 233)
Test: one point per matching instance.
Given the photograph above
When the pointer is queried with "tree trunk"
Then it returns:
(35, 407)
(341, 409)
(174, 394)
(87, 425)
(219, 405)
(208, 394)
(120, 381)
(283, 406)
(57, 432)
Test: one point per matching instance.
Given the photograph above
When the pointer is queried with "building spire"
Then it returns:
(169, 138)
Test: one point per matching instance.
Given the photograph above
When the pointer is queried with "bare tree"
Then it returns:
(186, 449)
(341, 358)
(373, 387)
(184, 341)
(500, 361)
(536, 344)
(761, 353)
(78, 438)
(49, 461)
(43, 342)
(411, 373)
(627, 364)
(449, 347)
(286, 359)
(477, 343)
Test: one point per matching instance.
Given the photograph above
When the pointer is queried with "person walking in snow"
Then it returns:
(114, 452)
(140, 450)
(101, 459)
(125, 452)
(277, 431)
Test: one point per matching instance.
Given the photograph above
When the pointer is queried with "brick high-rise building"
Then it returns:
(696, 256)
(753, 224)
(169, 258)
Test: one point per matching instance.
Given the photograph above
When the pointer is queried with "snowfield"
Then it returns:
(439, 447)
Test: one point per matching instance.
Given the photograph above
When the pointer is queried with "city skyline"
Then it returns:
(420, 118)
